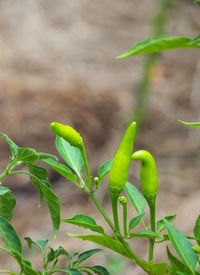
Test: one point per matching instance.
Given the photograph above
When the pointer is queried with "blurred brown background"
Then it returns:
(57, 63)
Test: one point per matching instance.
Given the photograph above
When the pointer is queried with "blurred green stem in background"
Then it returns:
(164, 8)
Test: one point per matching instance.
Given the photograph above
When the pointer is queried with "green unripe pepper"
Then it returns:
(67, 133)
(119, 170)
(148, 173)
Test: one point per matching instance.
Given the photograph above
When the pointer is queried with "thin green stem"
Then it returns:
(131, 254)
(87, 170)
(98, 205)
(7, 272)
(153, 226)
(125, 218)
(114, 200)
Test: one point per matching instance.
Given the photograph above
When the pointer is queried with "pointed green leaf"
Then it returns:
(85, 255)
(52, 200)
(7, 203)
(53, 254)
(158, 44)
(9, 236)
(86, 222)
(195, 124)
(61, 169)
(155, 269)
(54, 206)
(104, 240)
(175, 262)
(40, 244)
(70, 271)
(135, 197)
(182, 246)
(26, 154)
(161, 224)
(71, 155)
(135, 221)
(40, 176)
(197, 230)
(12, 145)
(100, 270)
(47, 156)
(196, 40)
(145, 234)
(104, 169)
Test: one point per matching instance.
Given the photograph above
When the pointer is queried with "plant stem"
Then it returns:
(153, 226)
(8, 272)
(125, 218)
(98, 205)
(114, 200)
(132, 255)
(87, 170)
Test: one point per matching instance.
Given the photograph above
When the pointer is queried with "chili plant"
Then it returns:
(13, 244)
(187, 259)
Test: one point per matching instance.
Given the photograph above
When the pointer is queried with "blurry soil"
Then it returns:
(58, 64)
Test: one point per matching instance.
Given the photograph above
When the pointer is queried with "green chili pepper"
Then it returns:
(119, 170)
(148, 173)
(68, 133)
(149, 183)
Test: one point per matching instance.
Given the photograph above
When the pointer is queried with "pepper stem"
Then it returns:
(87, 170)
(114, 200)
(152, 203)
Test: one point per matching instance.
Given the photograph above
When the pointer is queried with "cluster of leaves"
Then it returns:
(39, 178)
(181, 244)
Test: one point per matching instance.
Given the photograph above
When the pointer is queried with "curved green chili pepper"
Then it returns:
(148, 173)
(149, 183)
(119, 170)
(68, 133)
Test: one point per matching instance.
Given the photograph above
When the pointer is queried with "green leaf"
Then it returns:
(196, 40)
(158, 44)
(7, 203)
(197, 229)
(71, 155)
(155, 269)
(12, 145)
(25, 266)
(135, 197)
(70, 271)
(85, 255)
(61, 169)
(161, 224)
(52, 200)
(135, 221)
(26, 154)
(39, 174)
(40, 244)
(100, 270)
(86, 222)
(54, 254)
(182, 246)
(104, 240)
(54, 206)
(47, 156)
(104, 169)
(175, 262)
(9, 236)
(195, 124)
(145, 234)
